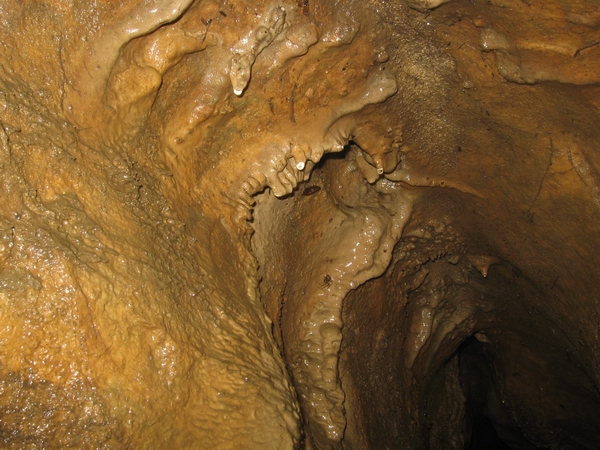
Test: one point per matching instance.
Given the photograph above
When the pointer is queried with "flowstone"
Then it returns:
(299, 224)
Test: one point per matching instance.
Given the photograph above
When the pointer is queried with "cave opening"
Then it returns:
(523, 384)
(524, 389)
(512, 381)
(489, 369)
(481, 400)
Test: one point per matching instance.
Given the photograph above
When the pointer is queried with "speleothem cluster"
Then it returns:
(299, 224)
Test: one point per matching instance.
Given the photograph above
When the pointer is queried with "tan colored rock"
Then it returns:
(299, 224)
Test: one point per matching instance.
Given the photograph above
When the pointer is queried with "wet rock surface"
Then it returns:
(299, 224)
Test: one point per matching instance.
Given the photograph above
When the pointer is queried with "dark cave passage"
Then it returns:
(450, 347)
(500, 371)
(477, 381)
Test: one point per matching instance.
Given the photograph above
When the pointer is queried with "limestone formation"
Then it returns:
(310, 224)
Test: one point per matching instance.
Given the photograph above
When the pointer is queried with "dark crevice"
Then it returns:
(485, 418)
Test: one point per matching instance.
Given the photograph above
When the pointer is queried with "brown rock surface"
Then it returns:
(299, 224)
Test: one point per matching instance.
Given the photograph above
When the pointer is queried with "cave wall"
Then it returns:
(299, 224)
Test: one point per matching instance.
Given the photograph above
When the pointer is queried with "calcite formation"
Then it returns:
(299, 224)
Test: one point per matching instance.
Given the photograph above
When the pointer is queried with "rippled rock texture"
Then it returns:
(299, 224)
